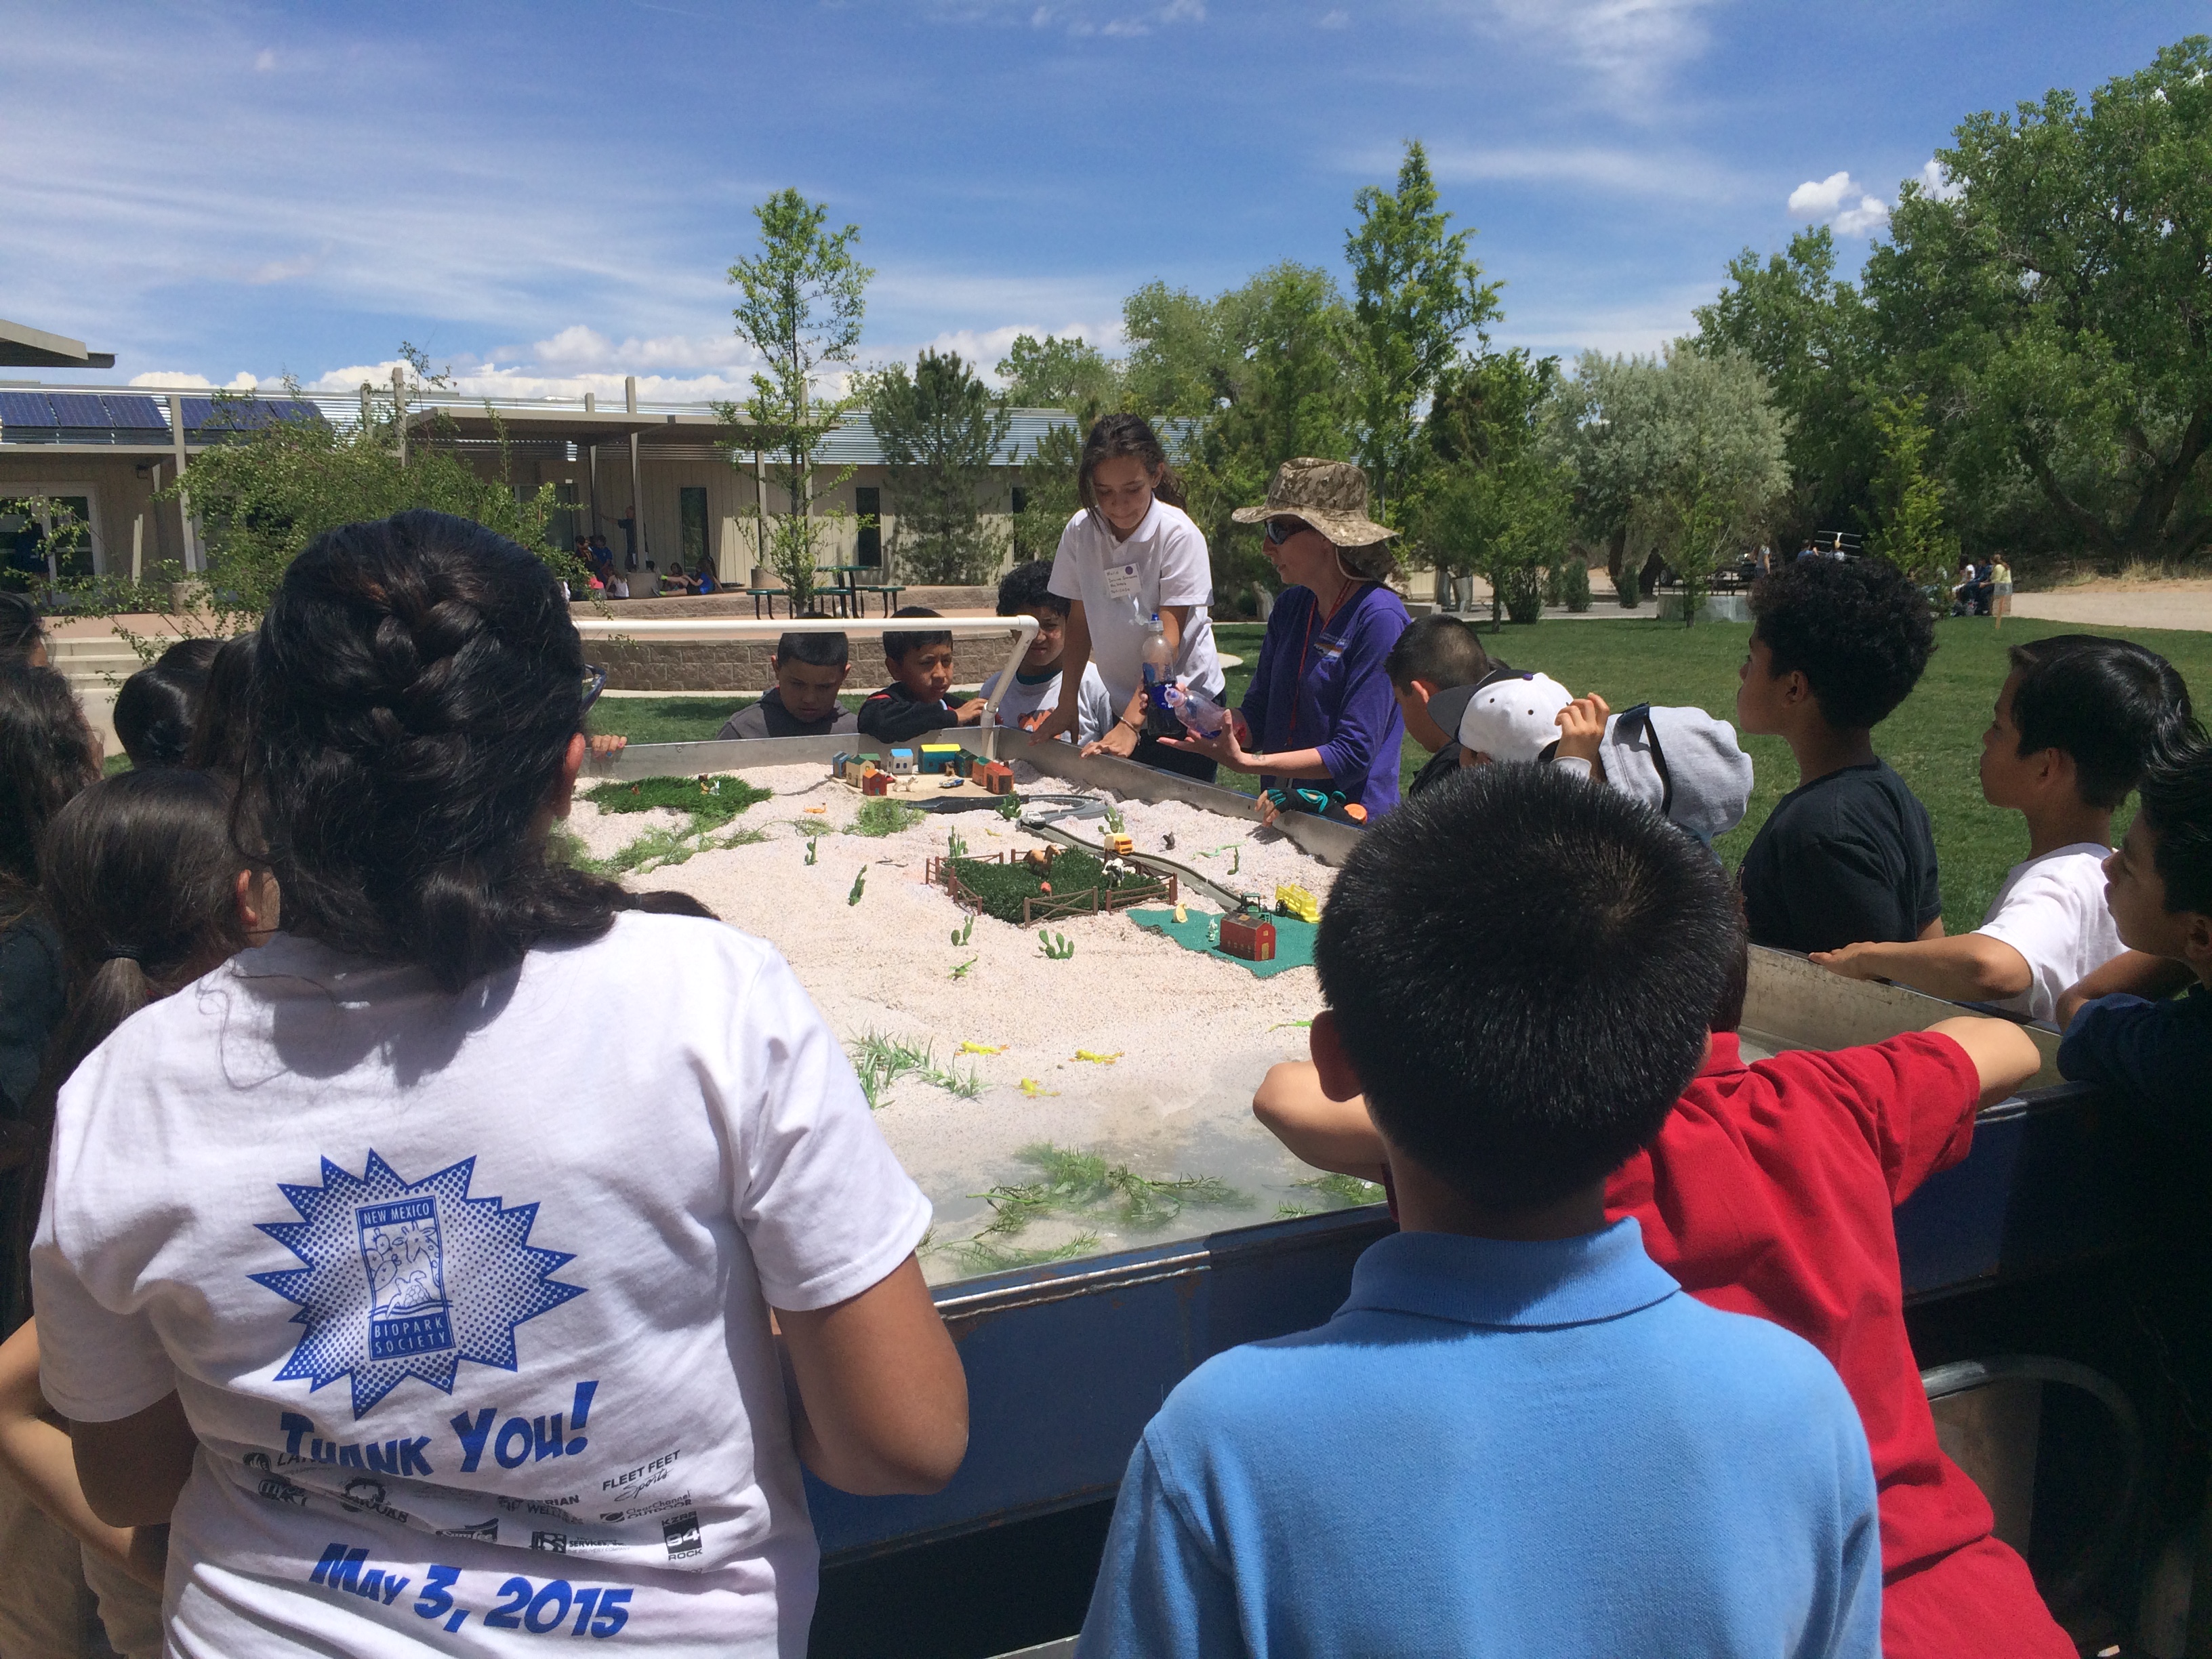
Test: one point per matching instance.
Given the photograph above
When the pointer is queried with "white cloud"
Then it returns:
(264, 60)
(1621, 172)
(1630, 44)
(1938, 185)
(177, 380)
(1333, 19)
(1840, 201)
(1077, 17)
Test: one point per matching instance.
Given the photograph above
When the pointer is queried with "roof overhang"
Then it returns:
(24, 347)
(656, 430)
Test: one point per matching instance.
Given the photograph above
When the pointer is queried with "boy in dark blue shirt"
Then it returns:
(921, 663)
(1518, 1435)
(2159, 885)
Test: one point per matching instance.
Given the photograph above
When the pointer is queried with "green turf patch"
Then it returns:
(879, 815)
(1294, 939)
(711, 804)
(1082, 1187)
(1001, 887)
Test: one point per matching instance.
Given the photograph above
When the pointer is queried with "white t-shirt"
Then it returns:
(1027, 702)
(1122, 583)
(466, 1296)
(2051, 909)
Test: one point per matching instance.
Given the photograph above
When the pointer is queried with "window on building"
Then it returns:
(868, 504)
(1021, 499)
(691, 503)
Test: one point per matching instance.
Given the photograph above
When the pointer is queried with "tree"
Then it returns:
(1683, 453)
(1493, 499)
(1809, 334)
(1054, 373)
(1415, 295)
(1059, 372)
(942, 430)
(262, 496)
(1910, 532)
(1245, 380)
(803, 299)
(2055, 306)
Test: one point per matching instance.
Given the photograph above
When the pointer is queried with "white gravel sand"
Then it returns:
(1190, 1035)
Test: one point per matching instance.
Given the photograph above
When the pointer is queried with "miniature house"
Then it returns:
(875, 783)
(997, 777)
(1250, 936)
(837, 763)
(900, 761)
(1295, 901)
(940, 756)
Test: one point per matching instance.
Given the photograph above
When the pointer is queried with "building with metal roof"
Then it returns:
(665, 483)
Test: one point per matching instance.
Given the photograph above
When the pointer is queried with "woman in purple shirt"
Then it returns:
(1319, 710)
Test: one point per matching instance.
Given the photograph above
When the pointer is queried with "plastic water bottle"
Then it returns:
(1159, 664)
(1201, 716)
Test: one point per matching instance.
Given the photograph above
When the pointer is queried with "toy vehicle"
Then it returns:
(1250, 936)
(1119, 845)
(1291, 899)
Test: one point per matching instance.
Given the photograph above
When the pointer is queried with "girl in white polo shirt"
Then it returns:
(1130, 554)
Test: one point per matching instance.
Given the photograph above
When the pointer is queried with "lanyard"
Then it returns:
(1306, 645)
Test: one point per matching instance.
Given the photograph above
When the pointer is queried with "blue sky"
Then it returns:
(548, 196)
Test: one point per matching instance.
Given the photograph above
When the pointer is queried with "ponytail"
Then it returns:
(1114, 436)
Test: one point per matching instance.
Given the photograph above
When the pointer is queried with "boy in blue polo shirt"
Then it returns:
(1517, 1435)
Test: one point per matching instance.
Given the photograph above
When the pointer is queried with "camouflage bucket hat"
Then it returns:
(1332, 497)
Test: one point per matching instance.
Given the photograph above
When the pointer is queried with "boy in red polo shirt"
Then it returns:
(1769, 1191)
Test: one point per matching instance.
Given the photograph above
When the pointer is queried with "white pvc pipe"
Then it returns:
(760, 627)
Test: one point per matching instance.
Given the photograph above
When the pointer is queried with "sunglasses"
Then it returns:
(594, 682)
(1281, 530)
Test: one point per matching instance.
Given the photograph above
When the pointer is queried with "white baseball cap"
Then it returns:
(1509, 717)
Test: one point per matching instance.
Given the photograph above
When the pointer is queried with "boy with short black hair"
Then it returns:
(1025, 591)
(810, 671)
(2077, 719)
(2159, 888)
(921, 664)
(1848, 854)
(1468, 1456)
(1437, 653)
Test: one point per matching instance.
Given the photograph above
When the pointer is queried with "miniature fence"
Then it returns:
(1087, 902)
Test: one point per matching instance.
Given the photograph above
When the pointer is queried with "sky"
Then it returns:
(548, 197)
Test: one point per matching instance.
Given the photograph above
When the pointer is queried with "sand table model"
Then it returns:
(1131, 1057)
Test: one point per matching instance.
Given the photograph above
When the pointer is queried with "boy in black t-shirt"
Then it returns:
(921, 674)
(1848, 855)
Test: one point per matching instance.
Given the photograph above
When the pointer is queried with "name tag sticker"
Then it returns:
(1122, 582)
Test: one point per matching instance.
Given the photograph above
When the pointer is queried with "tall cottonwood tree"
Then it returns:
(2055, 306)
(804, 298)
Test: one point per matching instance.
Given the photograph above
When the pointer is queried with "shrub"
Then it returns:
(1524, 595)
(1626, 585)
(1573, 581)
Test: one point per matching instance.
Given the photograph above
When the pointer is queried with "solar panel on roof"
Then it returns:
(210, 419)
(81, 417)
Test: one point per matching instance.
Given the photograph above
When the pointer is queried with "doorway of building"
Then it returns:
(868, 507)
(691, 510)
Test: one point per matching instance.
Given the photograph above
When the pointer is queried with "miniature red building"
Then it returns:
(873, 782)
(996, 776)
(1249, 936)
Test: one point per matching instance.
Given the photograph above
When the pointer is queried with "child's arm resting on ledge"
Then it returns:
(881, 1404)
(1965, 967)
(2135, 972)
(1336, 1135)
(2002, 1053)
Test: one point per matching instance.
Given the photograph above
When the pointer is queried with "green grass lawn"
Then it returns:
(1934, 740)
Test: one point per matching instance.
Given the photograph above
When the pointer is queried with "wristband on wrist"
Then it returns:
(1132, 725)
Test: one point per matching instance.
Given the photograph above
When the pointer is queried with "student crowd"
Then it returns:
(341, 1219)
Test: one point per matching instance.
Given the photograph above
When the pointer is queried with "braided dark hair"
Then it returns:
(1115, 435)
(416, 689)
